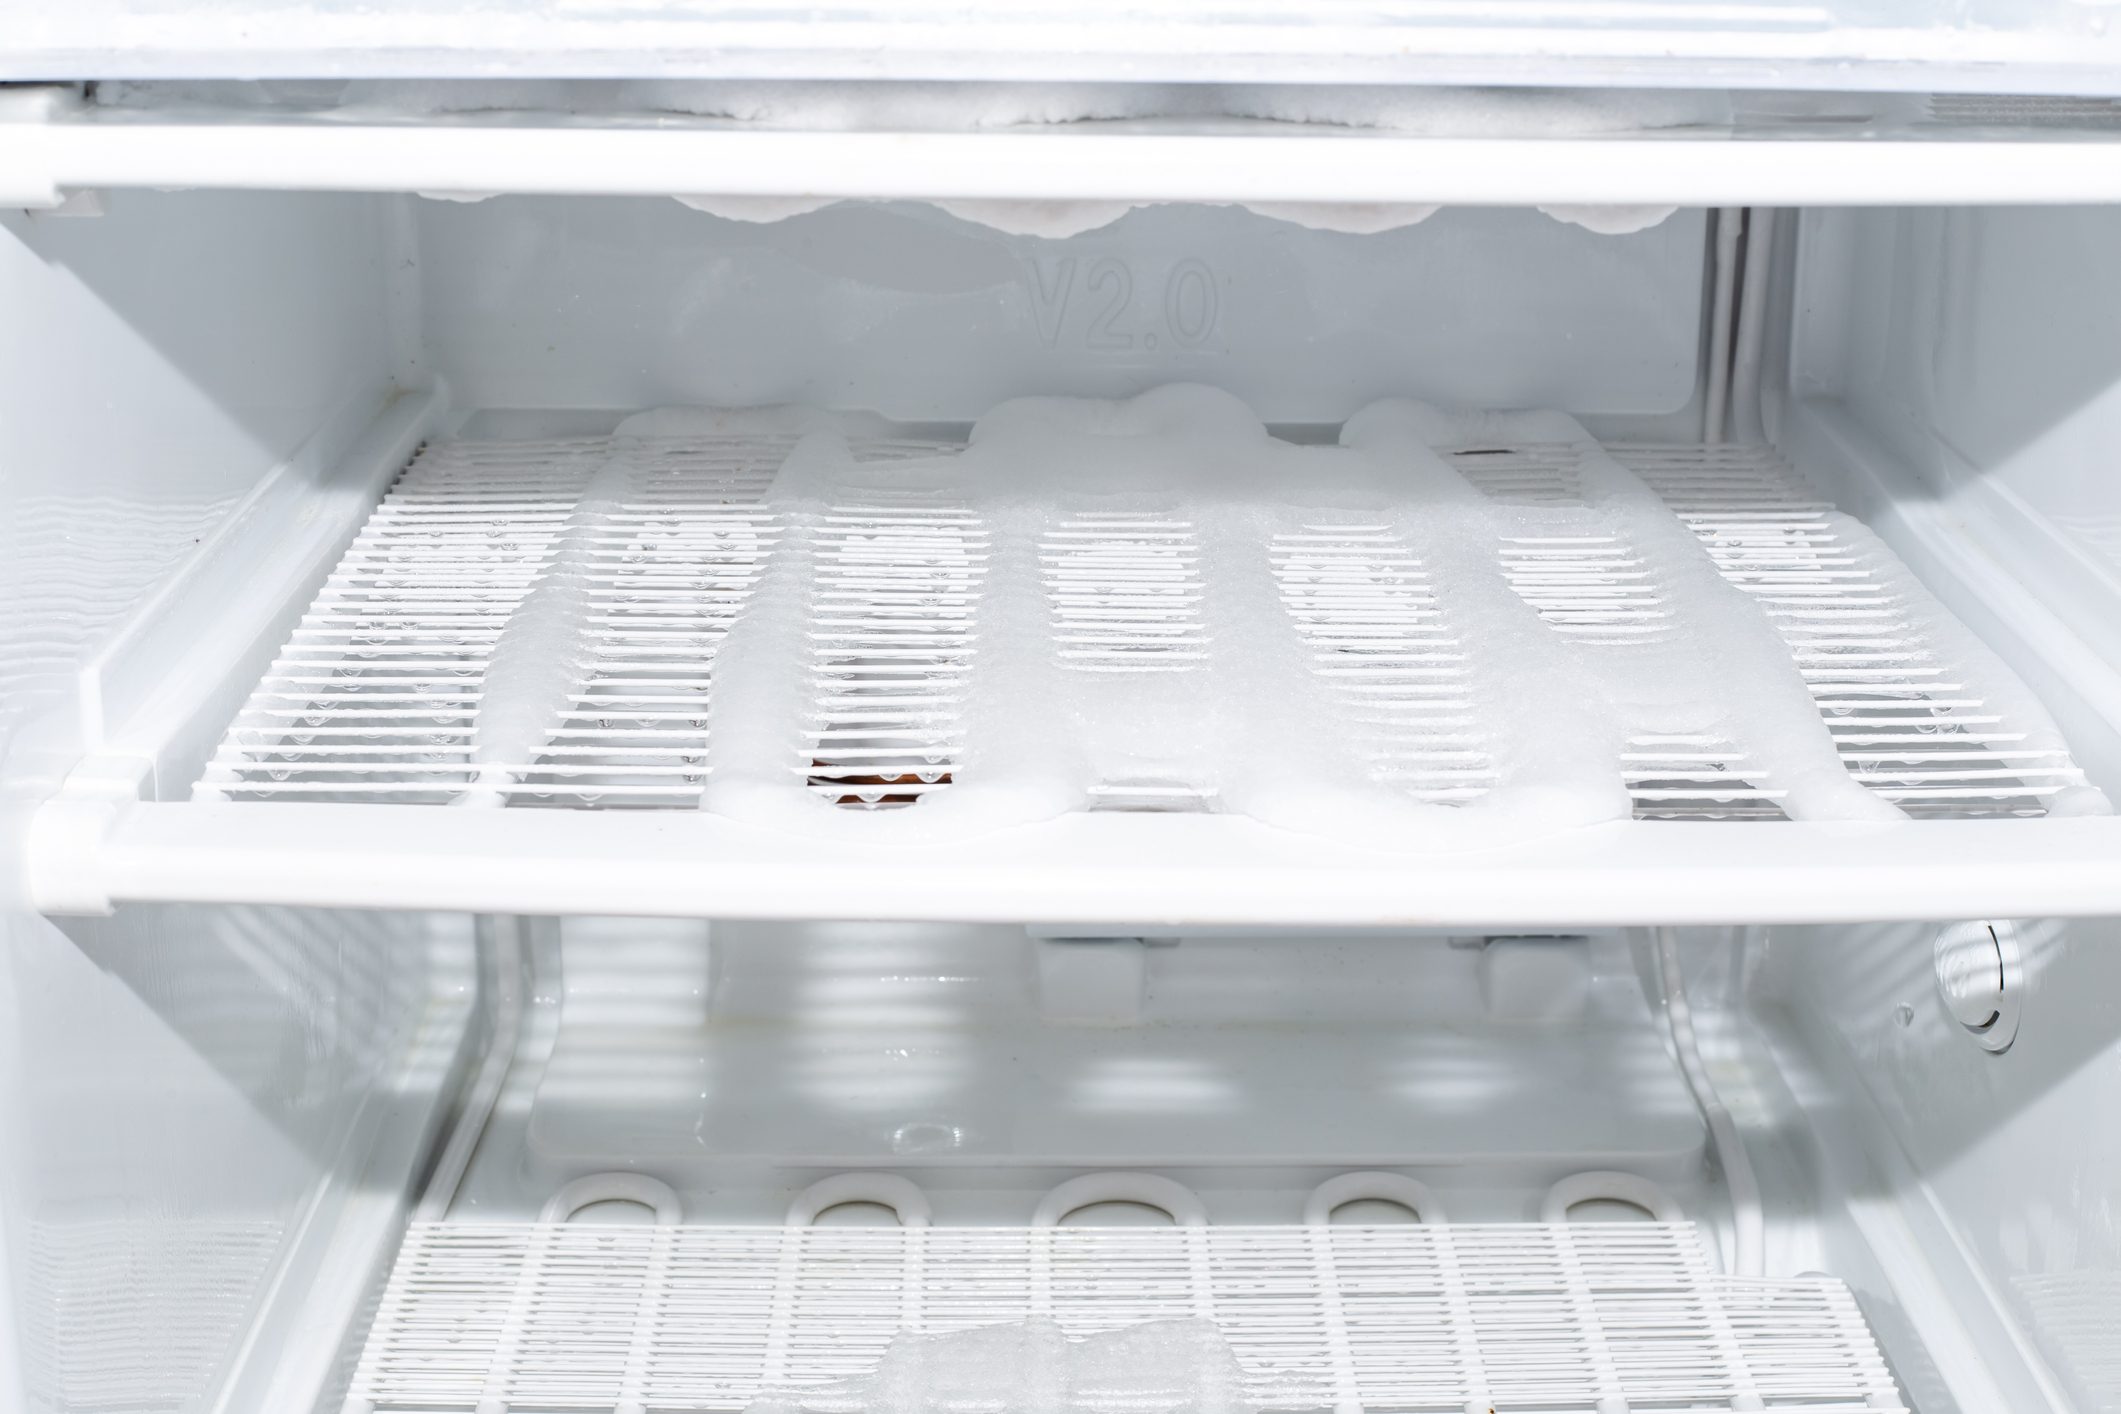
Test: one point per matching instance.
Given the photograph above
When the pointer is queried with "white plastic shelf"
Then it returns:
(375, 697)
(1469, 149)
(1516, 1318)
(1905, 701)
(758, 683)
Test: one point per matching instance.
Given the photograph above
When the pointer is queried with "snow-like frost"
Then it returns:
(1717, 669)
(1059, 219)
(1611, 220)
(1130, 632)
(1154, 1367)
(546, 651)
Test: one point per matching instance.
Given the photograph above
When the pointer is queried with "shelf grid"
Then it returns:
(1363, 603)
(892, 615)
(1514, 1317)
(375, 696)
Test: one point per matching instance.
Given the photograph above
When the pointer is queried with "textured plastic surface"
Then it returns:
(910, 312)
(1995, 1145)
(1451, 1317)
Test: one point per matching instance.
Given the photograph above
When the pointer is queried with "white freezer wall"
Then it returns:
(2006, 1167)
(1978, 345)
(157, 362)
(199, 1104)
(906, 309)
(1954, 377)
(1972, 353)
(178, 1086)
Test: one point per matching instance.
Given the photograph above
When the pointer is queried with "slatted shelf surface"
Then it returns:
(374, 698)
(1514, 1317)
(893, 618)
(1906, 722)
(1362, 602)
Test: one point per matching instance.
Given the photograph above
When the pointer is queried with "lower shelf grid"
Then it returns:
(1515, 1317)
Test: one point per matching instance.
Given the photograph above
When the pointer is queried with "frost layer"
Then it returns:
(1156, 1367)
(1165, 612)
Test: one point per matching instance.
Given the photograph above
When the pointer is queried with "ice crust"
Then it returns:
(1033, 1367)
(1441, 113)
(1252, 726)
(1719, 669)
(1058, 220)
(762, 677)
(944, 107)
(957, 107)
(902, 106)
(1432, 111)
(545, 652)
(1427, 111)
(1212, 693)
(1611, 220)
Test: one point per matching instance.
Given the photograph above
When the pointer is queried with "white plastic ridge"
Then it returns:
(44, 158)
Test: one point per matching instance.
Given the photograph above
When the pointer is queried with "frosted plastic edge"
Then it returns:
(1055, 166)
(1090, 870)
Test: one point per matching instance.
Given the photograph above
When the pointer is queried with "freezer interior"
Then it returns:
(1263, 779)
